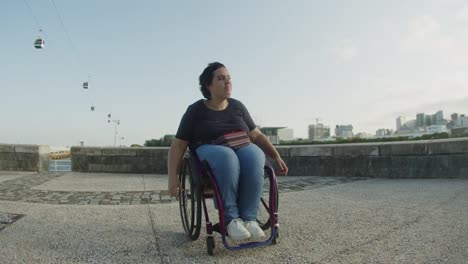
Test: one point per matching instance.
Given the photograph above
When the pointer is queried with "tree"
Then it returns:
(165, 141)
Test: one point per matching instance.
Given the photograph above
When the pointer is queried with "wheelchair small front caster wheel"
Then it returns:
(275, 239)
(210, 245)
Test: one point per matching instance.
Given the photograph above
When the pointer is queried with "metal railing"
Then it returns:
(63, 165)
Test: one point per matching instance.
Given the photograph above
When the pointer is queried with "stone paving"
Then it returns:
(365, 221)
(8, 219)
(21, 189)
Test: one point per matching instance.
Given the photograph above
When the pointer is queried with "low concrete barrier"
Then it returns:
(122, 160)
(24, 157)
(445, 158)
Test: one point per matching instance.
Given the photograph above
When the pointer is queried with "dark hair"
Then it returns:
(206, 78)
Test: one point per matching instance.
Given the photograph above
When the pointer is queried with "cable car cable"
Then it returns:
(39, 43)
(75, 49)
(34, 17)
(86, 84)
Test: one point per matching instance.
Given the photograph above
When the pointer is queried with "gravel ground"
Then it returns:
(370, 221)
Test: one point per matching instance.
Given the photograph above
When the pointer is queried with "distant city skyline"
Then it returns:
(347, 130)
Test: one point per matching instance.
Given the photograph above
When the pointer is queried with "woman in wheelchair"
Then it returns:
(220, 130)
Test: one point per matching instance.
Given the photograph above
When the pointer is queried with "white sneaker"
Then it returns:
(236, 230)
(254, 229)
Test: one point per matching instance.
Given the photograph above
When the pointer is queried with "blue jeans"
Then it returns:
(239, 175)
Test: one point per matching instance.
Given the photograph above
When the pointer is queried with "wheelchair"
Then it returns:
(197, 182)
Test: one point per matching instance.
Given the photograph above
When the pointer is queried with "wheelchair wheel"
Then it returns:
(189, 200)
(263, 215)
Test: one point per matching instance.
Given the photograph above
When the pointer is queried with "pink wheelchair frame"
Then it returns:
(198, 183)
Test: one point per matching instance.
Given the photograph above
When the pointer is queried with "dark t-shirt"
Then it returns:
(201, 125)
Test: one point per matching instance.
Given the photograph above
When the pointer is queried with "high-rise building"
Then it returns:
(400, 121)
(286, 134)
(382, 132)
(454, 117)
(429, 120)
(277, 134)
(420, 120)
(318, 131)
(438, 119)
(462, 121)
(344, 131)
(439, 116)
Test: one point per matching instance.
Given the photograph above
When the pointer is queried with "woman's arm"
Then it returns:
(257, 137)
(174, 158)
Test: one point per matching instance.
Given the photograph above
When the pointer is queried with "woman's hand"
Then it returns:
(283, 169)
(174, 158)
(173, 187)
(264, 143)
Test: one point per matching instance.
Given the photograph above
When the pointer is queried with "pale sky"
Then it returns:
(362, 62)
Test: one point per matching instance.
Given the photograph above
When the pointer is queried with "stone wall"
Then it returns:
(445, 158)
(24, 157)
(122, 160)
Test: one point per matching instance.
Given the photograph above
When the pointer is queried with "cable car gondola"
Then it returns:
(39, 43)
(85, 85)
(92, 108)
